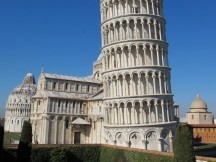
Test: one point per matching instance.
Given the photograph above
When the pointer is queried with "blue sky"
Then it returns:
(64, 37)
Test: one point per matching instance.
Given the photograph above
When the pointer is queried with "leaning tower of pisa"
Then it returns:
(139, 109)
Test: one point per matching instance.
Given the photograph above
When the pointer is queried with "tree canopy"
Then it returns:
(183, 144)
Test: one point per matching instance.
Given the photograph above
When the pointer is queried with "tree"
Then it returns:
(183, 144)
(1, 140)
(24, 148)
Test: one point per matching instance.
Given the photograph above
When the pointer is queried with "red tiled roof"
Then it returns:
(203, 125)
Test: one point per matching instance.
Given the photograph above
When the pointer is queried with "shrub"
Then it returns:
(9, 155)
(24, 147)
(123, 155)
(183, 144)
(1, 140)
(63, 155)
(41, 154)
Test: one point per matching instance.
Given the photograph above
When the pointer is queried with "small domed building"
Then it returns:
(18, 106)
(199, 112)
(201, 121)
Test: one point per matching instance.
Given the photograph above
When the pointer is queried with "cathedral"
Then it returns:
(128, 100)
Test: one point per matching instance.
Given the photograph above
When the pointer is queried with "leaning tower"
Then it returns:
(138, 100)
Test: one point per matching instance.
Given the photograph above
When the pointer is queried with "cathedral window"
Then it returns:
(59, 103)
(205, 117)
(12, 122)
(74, 104)
(192, 116)
(66, 103)
(17, 122)
(81, 103)
(81, 109)
(66, 123)
(54, 85)
(66, 86)
(88, 88)
(77, 87)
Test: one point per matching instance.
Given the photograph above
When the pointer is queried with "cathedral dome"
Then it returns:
(22, 94)
(27, 88)
(198, 105)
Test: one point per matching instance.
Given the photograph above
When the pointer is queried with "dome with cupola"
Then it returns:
(198, 105)
(18, 106)
(199, 113)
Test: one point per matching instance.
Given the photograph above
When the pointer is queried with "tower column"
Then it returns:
(162, 56)
(147, 6)
(152, 56)
(132, 115)
(154, 85)
(124, 86)
(141, 115)
(144, 50)
(136, 30)
(128, 30)
(155, 29)
(149, 116)
(168, 114)
(147, 84)
(153, 11)
(157, 50)
(163, 114)
(160, 31)
(131, 85)
(160, 83)
(143, 28)
(156, 107)
(149, 29)
(141, 7)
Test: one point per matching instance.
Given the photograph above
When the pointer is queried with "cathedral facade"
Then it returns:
(128, 101)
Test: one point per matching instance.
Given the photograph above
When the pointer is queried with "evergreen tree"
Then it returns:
(1, 140)
(24, 148)
(183, 144)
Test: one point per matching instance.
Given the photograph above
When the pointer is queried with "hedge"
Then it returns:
(109, 154)
(92, 153)
(66, 154)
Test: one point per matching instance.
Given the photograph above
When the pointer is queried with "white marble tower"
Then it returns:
(136, 75)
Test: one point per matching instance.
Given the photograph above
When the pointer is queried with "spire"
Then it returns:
(42, 69)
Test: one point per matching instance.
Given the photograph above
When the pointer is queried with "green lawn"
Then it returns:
(9, 135)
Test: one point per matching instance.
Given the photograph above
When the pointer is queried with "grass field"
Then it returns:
(9, 135)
